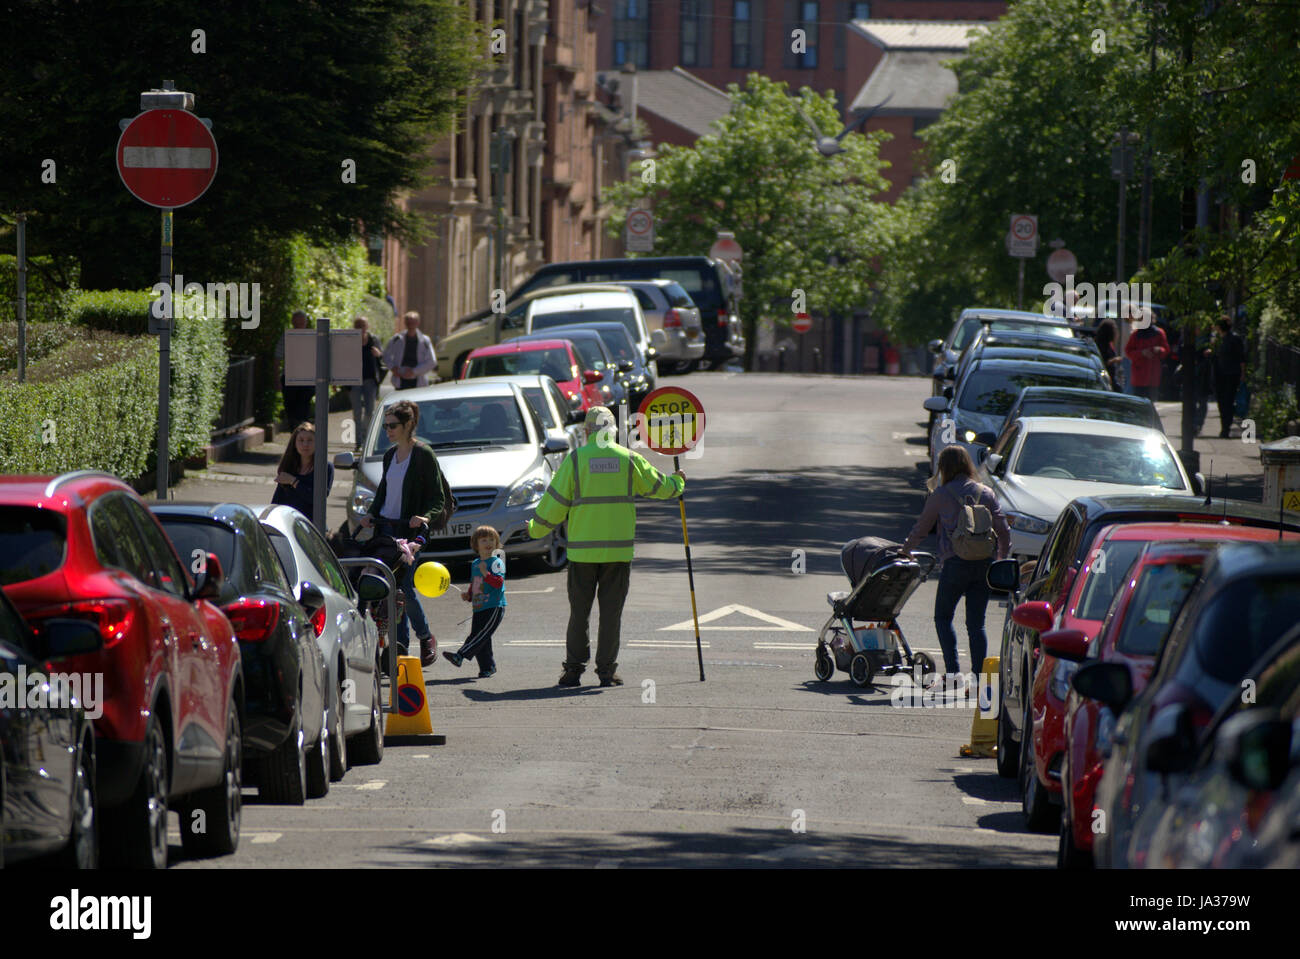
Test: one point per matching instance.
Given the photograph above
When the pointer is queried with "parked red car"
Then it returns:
(555, 358)
(83, 545)
(1135, 626)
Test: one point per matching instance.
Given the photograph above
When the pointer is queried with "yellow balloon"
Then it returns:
(432, 579)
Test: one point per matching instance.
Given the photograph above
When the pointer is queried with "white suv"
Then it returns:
(600, 305)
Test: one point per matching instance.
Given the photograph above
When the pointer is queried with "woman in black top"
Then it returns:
(1106, 336)
(296, 476)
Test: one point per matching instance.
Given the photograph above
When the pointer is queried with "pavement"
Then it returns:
(1233, 464)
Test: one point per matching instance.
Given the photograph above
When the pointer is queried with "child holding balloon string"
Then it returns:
(487, 591)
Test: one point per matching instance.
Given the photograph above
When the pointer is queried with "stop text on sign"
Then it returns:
(670, 421)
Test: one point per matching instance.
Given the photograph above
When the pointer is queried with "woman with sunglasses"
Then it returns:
(408, 498)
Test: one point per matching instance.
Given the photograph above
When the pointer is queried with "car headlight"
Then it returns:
(968, 436)
(1060, 684)
(1026, 523)
(527, 492)
(362, 497)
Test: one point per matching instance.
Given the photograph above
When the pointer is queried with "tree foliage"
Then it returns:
(790, 208)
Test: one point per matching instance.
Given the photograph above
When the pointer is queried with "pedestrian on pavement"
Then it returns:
(1146, 347)
(295, 478)
(487, 591)
(594, 490)
(408, 499)
(410, 354)
(297, 399)
(1107, 335)
(1229, 361)
(960, 578)
(372, 374)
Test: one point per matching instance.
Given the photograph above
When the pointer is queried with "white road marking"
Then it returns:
(422, 756)
(535, 642)
(372, 784)
(972, 801)
(804, 646)
(548, 589)
(455, 839)
(645, 644)
(262, 837)
(774, 624)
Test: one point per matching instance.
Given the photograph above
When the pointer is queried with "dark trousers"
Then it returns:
(479, 643)
(609, 581)
(1225, 391)
(962, 578)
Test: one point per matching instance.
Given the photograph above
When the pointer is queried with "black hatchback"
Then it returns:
(285, 733)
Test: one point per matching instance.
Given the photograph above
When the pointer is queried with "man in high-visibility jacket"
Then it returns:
(594, 489)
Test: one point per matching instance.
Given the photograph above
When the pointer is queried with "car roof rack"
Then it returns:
(75, 474)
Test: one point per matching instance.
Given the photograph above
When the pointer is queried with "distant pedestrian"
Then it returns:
(408, 500)
(297, 399)
(1146, 348)
(372, 374)
(487, 591)
(961, 578)
(1229, 356)
(410, 354)
(1107, 344)
(594, 490)
(295, 478)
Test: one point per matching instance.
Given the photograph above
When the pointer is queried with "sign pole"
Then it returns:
(319, 469)
(1020, 286)
(165, 358)
(690, 573)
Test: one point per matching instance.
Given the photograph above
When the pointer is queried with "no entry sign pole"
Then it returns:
(672, 421)
(167, 158)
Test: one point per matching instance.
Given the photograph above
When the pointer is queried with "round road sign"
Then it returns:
(167, 158)
(672, 420)
(802, 323)
(640, 221)
(1061, 264)
(1024, 227)
(410, 699)
(726, 248)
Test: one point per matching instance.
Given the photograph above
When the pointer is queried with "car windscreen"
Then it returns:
(467, 421)
(194, 538)
(609, 314)
(619, 344)
(1101, 409)
(992, 391)
(1107, 572)
(33, 543)
(553, 362)
(537, 400)
(1243, 621)
(1091, 458)
(589, 354)
(1157, 597)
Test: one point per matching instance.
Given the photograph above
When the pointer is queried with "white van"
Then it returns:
(597, 306)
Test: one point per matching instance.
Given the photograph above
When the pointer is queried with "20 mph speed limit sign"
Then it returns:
(672, 420)
(1023, 238)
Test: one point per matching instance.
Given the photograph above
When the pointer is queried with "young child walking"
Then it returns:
(487, 591)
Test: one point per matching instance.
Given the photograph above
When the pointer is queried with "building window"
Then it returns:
(859, 11)
(808, 23)
(742, 29)
(631, 33)
(690, 27)
(919, 124)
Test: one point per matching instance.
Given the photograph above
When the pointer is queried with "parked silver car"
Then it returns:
(669, 308)
(349, 639)
(558, 416)
(493, 451)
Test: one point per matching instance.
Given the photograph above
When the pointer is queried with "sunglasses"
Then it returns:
(391, 426)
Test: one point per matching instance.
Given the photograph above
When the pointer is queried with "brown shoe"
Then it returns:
(614, 680)
(428, 652)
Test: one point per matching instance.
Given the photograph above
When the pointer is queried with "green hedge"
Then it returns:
(119, 311)
(42, 340)
(97, 417)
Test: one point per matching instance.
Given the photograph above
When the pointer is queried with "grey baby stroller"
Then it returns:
(862, 636)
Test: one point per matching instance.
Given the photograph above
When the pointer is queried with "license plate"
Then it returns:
(455, 529)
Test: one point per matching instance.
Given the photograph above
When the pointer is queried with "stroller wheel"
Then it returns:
(926, 663)
(824, 667)
(861, 670)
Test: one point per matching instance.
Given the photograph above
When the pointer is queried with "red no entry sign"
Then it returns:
(801, 323)
(167, 158)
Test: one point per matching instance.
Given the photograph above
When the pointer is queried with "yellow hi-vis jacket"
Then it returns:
(594, 489)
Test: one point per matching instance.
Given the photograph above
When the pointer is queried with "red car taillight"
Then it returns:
(672, 319)
(318, 620)
(253, 619)
(722, 317)
(113, 617)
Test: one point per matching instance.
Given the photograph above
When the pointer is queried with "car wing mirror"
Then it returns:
(372, 588)
(68, 637)
(310, 597)
(345, 461)
(210, 579)
(1003, 576)
(1108, 683)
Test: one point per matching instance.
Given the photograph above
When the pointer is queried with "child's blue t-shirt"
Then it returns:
(483, 594)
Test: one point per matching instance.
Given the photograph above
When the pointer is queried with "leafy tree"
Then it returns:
(293, 88)
(790, 208)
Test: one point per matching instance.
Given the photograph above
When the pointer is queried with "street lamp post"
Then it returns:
(502, 139)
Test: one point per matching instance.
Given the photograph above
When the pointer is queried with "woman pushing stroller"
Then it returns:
(969, 541)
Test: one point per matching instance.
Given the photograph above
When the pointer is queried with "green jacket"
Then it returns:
(594, 490)
(422, 489)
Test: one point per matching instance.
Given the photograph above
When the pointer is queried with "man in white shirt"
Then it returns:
(410, 355)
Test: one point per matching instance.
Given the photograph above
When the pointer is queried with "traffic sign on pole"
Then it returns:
(640, 232)
(1023, 239)
(726, 248)
(167, 158)
(802, 323)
